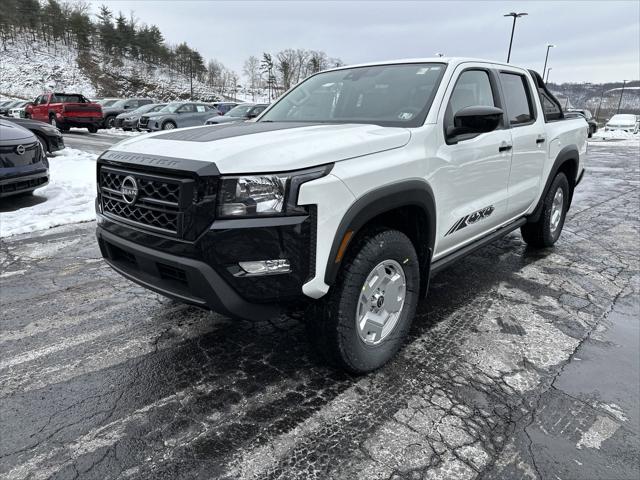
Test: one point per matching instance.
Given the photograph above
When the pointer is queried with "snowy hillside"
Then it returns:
(28, 68)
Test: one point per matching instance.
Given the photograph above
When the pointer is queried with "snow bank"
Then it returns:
(70, 196)
(616, 137)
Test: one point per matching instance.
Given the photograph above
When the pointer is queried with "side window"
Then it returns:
(200, 108)
(132, 103)
(473, 88)
(37, 100)
(518, 98)
(43, 99)
(188, 108)
(549, 107)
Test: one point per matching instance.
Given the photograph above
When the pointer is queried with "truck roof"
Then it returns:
(447, 60)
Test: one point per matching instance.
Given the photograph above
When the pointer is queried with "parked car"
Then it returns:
(593, 125)
(19, 110)
(66, 110)
(129, 120)
(347, 195)
(224, 107)
(49, 136)
(23, 163)
(109, 113)
(625, 122)
(242, 112)
(176, 115)
(4, 108)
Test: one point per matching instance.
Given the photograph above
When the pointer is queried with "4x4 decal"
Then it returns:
(470, 219)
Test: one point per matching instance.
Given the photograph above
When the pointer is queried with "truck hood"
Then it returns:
(258, 147)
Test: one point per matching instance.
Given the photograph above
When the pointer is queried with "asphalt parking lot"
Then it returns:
(520, 365)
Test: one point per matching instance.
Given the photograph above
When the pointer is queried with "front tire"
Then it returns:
(109, 121)
(546, 231)
(363, 320)
(169, 125)
(92, 129)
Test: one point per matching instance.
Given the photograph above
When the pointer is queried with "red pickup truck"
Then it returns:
(66, 110)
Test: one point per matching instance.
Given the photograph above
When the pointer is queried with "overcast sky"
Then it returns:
(596, 40)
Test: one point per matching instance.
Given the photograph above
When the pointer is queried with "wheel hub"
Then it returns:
(381, 301)
(556, 210)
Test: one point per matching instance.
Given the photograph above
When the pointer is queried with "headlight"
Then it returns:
(252, 196)
(264, 195)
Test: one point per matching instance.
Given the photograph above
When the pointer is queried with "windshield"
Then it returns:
(239, 111)
(117, 104)
(108, 103)
(156, 108)
(623, 117)
(387, 95)
(171, 107)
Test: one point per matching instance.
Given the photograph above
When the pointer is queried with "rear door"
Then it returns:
(474, 173)
(185, 115)
(528, 138)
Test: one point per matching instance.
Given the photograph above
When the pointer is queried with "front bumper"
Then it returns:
(55, 142)
(205, 272)
(17, 184)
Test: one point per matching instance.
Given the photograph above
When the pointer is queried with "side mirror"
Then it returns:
(475, 120)
(252, 115)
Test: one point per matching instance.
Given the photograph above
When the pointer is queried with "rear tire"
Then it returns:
(109, 121)
(92, 129)
(546, 231)
(347, 327)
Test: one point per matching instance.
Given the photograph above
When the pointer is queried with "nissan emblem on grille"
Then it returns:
(20, 149)
(129, 189)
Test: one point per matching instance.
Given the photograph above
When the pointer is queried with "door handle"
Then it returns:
(539, 140)
(504, 148)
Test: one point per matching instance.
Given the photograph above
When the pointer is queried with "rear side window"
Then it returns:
(549, 107)
(518, 98)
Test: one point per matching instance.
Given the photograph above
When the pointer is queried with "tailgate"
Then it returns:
(82, 110)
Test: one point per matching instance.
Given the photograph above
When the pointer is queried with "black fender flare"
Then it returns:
(568, 154)
(401, 194)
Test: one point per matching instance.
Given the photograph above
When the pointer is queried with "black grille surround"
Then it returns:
(165, 204)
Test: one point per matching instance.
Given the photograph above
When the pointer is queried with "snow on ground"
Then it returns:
(616, 137)
(70, 196)
(116, 132)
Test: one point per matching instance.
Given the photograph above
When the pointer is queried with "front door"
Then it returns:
(473, 177)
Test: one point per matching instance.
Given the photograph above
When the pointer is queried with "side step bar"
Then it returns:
(444, 262)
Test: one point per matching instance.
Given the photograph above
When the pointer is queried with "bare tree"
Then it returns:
(251, 70)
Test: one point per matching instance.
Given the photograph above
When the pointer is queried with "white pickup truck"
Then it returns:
(347, 193)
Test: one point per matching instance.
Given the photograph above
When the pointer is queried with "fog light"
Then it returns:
(265, 267)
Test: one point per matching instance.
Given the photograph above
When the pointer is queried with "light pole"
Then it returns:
(621, 93)
(546, 57)
(513, 29)
(547, 80)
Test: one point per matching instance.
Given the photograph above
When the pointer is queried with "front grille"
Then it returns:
(160, 205)
(144, 121)
(9, 156)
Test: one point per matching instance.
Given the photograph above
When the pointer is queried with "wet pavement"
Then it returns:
(521, 364)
